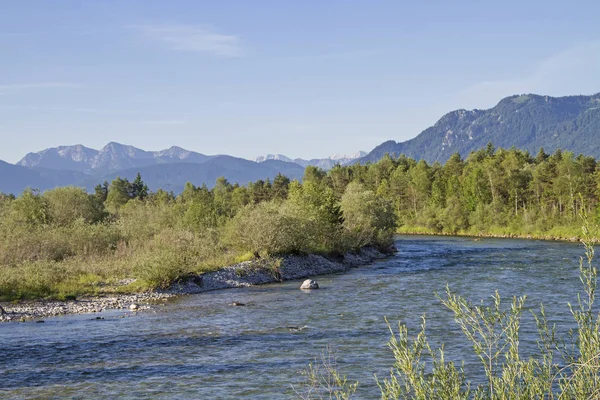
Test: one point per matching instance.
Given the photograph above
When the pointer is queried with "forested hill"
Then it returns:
(167, 176)
(15, 178)
(527, 122)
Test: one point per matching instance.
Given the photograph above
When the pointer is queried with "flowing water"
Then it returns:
(202, 347)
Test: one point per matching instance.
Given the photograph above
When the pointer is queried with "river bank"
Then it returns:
(245, 274)
(571, 239)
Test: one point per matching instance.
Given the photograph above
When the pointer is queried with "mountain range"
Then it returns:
(527, 122)
(117, 157)
(166, 169)
(112, 157)
(324, 163)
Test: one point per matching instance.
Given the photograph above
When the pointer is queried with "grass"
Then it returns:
(570, 233)
(67, 272)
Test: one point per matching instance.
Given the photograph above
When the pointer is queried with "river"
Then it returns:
(200, 346)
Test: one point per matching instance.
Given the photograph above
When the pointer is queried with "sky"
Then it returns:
(306, 78)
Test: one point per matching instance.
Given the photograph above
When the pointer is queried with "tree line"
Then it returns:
(492, 191)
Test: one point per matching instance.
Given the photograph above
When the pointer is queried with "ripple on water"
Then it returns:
(200, 347)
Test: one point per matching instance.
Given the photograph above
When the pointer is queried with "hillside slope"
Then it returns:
(174, 176)
(15, 178)
(527, 122)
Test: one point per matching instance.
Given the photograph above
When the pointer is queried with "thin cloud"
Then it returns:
(193, 39)
(165, 122)
(16, 34)
(148, 113)
(338, 55)
(573, 71)
(18, 87)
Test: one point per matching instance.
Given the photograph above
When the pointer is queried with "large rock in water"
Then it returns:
(309, 284)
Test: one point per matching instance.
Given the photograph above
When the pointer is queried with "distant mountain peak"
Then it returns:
(173, 150)
(324, 163)
(279, 157)
(113, 146)
(64, 157)
(354, 156)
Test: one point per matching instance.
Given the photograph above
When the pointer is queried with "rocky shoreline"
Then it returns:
(244, 274)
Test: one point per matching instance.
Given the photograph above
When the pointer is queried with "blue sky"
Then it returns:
(302, 78)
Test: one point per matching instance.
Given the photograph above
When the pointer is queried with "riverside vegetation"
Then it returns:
(65, 242)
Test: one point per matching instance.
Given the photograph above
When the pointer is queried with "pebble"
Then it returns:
(40, 309)
(245, 274)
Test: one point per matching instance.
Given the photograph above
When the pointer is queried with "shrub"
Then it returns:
(69, 204)
(368, 219)
(30, 210)
(172, 254)
(262, 230)
(161, 267)
(139, 221)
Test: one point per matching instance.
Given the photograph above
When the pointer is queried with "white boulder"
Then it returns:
(309, 284)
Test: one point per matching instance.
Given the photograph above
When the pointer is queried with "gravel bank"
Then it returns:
(245, 274)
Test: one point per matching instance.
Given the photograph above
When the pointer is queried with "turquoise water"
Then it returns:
(201, 347)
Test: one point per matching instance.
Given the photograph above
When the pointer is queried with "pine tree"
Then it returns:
(139, 190)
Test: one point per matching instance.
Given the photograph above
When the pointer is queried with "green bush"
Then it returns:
(69, 204)
(263, 230)
(368, 219)
(161, 267)
(174, 253)
(139, 221)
